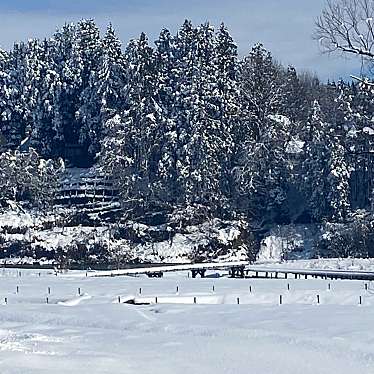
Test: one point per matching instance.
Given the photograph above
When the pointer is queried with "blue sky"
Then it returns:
(283, 26)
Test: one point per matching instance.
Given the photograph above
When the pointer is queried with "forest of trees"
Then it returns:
(185, 122)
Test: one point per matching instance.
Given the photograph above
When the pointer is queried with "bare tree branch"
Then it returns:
(364, 82)
(347, 26)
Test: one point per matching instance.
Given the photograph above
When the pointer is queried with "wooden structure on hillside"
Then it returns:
(86, 188)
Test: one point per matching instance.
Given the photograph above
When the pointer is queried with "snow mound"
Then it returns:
(75, 300)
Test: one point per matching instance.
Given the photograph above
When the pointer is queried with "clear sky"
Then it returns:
(283, 26)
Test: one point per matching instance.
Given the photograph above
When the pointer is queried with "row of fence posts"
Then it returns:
(49, 290)
(46, 299)
(238, 300)
(195, 299)
(318, 299)
(19, 273)
(250, 288)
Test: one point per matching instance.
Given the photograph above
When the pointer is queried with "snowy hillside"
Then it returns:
(178, 150)
(28, 236)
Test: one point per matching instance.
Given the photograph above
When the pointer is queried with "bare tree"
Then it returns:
(347, 26)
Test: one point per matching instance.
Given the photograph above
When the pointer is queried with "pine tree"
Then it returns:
(6, 97)
(316, 164)
(295, 104)
(45, 87)
(18, 115)
(228, 99)
(166, 57)
(261, 167)
(111, 76)
(104, 97)
(137, 146)
(72, 83)
(338, 180)
(356, 106)
(89, 48)
(204, 133)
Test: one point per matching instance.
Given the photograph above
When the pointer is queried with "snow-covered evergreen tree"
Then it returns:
(261, 165)
(338, 179)
(17, 113)
(356, 106)
(89, 49)
(45, 87)
(6, 99)
(316, 163)
(137, 147)
(104, 96)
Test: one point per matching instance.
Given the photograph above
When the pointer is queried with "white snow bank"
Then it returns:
(75, 300)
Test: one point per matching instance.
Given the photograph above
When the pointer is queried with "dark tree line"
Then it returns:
(187, 123)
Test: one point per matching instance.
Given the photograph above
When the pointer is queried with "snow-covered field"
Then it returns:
(93, 333)
(351, 264)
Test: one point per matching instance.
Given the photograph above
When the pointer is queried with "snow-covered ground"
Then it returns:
(49, 233)
(289, 242)
(350, 264)
(93, 332)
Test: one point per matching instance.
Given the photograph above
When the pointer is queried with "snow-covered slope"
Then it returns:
(38, 236)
